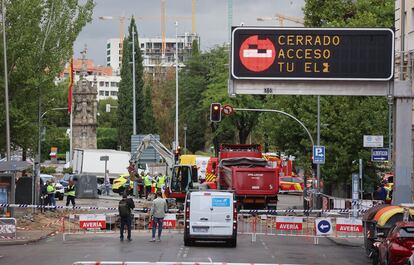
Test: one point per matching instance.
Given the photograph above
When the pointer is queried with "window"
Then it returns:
(120, 58)
(101, 93)
(114, 93)
(108, 45)
(108, 52)
(119, 45)
(108, 59)
(108, 64)
(107, 84)
(113, 84)
(142, 45)
(101, 83)
(107, 93)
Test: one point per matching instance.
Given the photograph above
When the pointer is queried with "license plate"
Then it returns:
(200, 229)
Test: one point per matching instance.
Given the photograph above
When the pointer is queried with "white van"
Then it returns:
(210, 215)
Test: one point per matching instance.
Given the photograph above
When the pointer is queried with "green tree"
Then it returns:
(344, 119)
(149, 125)
(193, 82)
(241, 123)
(107, 119)
(125, 94)
(40, 37)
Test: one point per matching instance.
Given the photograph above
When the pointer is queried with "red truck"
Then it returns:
(243, 169)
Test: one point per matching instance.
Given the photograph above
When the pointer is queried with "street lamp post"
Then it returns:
(185, 138)
(39, 151)
(176, 85)
(134, 106)
(6, 85)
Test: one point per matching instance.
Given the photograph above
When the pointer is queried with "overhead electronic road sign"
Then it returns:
(379, 154)
(266, 53)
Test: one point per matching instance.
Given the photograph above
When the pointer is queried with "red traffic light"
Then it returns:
(215, 112)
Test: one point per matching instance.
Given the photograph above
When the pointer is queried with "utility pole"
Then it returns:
(6, 84)
(318, 142)
(176, 86)
(134, 113)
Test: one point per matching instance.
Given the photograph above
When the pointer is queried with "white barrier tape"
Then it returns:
(13, 238)
(301, 211)
(291, 191)
(5, 205)
(166, 263)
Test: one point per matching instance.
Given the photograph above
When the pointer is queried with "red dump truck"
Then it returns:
(243, 169)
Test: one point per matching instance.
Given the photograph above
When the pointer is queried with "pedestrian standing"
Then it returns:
(125, 206)
(70, 193)
(107, 183)
(50, 189)
(158, 210)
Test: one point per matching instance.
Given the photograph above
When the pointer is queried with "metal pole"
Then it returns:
(402, 38)
(284, 113)
(6, 84)
(176, 85)
(39, 125)
(361, 178)
(71, 138)
(134, 114)
(318, 141)
(185, 139)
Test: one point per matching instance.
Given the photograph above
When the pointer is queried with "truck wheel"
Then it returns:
(188, 241)
(232, 243)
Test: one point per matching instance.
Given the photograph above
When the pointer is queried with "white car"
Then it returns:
(210, 216)
(59, 189)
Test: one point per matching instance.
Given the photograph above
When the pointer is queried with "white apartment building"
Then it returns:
(154, 60)
(114, 55)
(107, 85)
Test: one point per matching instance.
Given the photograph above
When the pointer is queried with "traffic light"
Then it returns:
(215, 112)
(177, 154)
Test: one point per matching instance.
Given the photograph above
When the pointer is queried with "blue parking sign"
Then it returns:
(319, 154)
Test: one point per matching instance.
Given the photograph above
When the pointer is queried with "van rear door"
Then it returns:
(222, 213)
(200, 213)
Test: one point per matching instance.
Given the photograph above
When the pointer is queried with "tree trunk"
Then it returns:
(24, 154)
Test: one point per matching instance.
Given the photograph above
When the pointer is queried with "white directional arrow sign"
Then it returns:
(323, 226)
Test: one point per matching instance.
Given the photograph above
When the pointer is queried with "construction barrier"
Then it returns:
(299, 226)
(8, 228)
(75, 224)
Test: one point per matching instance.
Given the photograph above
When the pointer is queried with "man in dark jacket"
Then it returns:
(125, 206)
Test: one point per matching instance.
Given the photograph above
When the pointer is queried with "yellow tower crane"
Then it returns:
(281, 18)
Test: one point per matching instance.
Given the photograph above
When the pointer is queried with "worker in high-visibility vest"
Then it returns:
(147, 185)
(70, 193)
(161, 183)
(50, 189)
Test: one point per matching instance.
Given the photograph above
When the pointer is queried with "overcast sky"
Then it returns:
(211, 20)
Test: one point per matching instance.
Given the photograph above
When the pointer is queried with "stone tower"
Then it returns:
(84, 110)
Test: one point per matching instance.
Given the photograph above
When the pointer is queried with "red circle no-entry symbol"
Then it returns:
(257, 54)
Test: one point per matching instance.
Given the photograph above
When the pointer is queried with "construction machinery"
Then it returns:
(180, 178)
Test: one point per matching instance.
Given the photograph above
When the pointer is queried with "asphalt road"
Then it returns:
(266, 249)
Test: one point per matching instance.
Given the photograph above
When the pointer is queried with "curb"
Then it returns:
(345, 244)
(25, 242)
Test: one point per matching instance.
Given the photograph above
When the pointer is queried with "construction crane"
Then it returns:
(281, 18)
(121, 26)
(163, 17)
